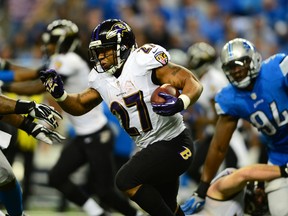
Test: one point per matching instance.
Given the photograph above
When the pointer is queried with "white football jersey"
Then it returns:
(213, 81)
(128, 96)
(77, 71)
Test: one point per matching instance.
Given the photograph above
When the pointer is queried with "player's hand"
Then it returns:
(171, 105)
(193, 204)
(45, 113)
(44, 134)
(39, 111)
(52, 82)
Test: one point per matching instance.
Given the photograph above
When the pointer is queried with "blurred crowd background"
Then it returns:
(171, 23)
(174, 24)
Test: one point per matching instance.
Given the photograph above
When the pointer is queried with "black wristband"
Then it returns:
(5, 87)
(27, 125)
(23, 107)
(180, 104)
(284, 171)
(202, 189)
(4, 65)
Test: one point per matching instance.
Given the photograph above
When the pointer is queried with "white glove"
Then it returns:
(46, 135)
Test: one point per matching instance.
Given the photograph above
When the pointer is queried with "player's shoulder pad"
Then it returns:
(275, 59)
(272, 66)
(224, 100)
(152, 56)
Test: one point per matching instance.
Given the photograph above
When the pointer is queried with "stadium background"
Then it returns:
(170, 23)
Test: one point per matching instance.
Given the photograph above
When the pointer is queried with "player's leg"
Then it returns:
(277, 192)
(169, 191)
(102, 165)
(153, 165)
(10, 191)
(71, 158)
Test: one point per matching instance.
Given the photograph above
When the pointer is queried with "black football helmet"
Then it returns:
(111, 34)
(200, 56)
(256, 201)
(64, 34)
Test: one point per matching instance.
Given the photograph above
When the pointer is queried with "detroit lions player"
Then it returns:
(258, 93)
(125, 76)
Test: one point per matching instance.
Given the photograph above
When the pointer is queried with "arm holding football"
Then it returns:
(182, 79)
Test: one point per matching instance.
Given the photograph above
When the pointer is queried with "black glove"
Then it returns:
(39, 111)
(284, 170)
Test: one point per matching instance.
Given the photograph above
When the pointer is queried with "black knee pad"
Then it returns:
(122, 180)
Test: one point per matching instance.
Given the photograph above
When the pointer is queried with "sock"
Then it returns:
(149, 199)
(92, 208)
(11, 198)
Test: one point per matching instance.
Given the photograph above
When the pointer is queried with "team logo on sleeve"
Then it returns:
(57, 64)
(161, 57)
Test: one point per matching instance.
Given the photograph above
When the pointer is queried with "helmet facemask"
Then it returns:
(239, 72)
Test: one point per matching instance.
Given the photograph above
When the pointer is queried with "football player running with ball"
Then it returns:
(125, 76)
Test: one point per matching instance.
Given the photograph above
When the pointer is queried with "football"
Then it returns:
(167, 88)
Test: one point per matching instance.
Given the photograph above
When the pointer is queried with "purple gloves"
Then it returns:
(53, 83)
(171, 105)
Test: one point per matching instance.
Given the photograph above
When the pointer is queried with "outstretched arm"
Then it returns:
(24, 88)
(39, 111)
(224, 130)
(11, 72)
(81, 103)
(75, 104)
(38, 131)
(229, 185)
(23, 74)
